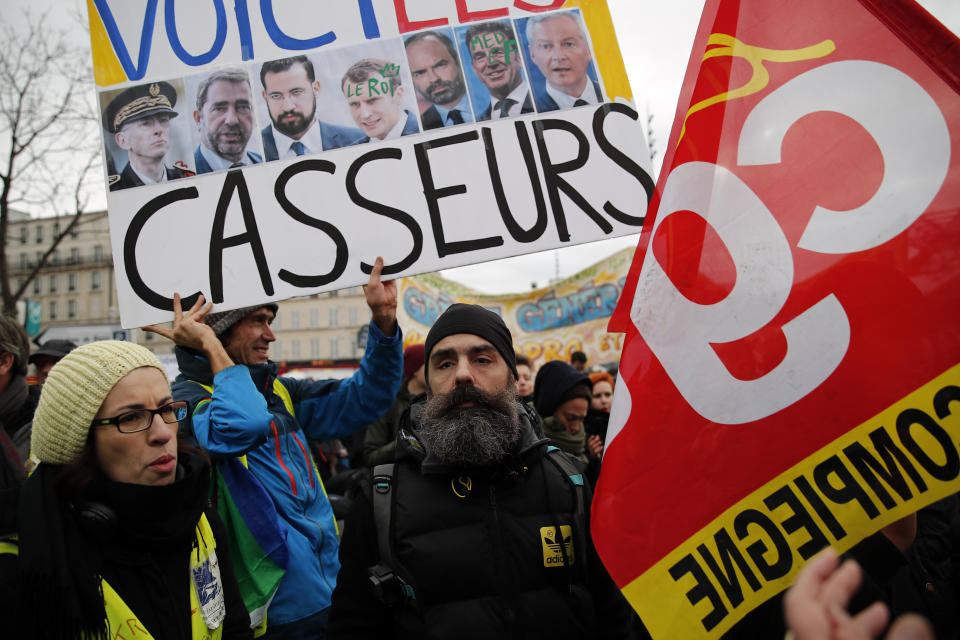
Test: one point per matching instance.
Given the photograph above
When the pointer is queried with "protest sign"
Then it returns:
(277, 149)
(547, 324)
(790, 376)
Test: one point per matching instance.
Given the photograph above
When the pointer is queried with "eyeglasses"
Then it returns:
(141, 419)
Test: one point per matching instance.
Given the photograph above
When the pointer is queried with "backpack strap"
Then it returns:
(389, 586)
(567, 466)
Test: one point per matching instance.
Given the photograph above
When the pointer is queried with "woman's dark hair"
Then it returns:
(521, 359)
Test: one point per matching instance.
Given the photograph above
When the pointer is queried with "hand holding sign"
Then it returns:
(189, 330)
(382, 299)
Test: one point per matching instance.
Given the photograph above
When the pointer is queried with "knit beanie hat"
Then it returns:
(477, 321)
(412, 360)
(557, 382)
(74, 392)
(221, 322)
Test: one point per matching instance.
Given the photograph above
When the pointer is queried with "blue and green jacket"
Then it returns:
(245, 416)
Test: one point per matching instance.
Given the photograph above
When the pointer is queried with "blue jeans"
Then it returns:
(311, 628)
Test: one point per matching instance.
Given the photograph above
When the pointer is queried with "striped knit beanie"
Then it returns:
(222, 321)
(74, 391)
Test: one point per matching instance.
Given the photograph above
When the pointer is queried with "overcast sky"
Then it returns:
(655, 38)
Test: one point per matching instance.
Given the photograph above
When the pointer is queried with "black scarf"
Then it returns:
(61, 594)
(11, 400)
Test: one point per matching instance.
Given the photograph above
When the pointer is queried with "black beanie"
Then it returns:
(553, 385)
(477, 321)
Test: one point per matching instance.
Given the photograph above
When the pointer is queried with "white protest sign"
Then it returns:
(277, 149)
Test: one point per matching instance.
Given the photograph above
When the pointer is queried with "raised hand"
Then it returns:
(382, 299)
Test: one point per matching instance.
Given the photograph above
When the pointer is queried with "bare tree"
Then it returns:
(49, 144)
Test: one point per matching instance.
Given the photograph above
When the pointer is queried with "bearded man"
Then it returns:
(478, 529)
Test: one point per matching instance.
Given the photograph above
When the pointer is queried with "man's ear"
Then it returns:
(121, 140)
(196, 118)
(6, 363)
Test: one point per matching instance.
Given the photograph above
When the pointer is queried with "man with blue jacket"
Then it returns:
(241, 408)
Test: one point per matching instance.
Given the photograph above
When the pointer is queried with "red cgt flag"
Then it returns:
(791, 373)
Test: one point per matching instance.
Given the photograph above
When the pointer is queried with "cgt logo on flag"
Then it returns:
(791, 369)
(553, 548)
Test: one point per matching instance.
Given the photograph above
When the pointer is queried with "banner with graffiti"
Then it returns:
(790, 377)
(265, 150)
(547, 324)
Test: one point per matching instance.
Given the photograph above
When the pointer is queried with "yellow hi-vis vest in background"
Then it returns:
(123, 622)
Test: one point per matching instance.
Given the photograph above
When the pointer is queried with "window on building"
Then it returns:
(24, 234)
(23, 259)
(98, 252)
(295, 350)
(53, 284)
(20, 282)
(39, 233)
(36, 285)
(95, 280)
(334, 348)
(74, 232)
(74, 255)
(353, 316)
(72, 282)
(55, 258)
(56, 230)
(53, 309)
(315, 348)
(334, 317)
(294, 319)
(278, 351)
(71, 308)
(314, 320)
(277, 323)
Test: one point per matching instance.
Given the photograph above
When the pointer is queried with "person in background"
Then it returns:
(18, 400)
(115, 534)
(578, 359)
(48, 355)
(602, 397)
(381, 437)
(562, 397)
(524, 378)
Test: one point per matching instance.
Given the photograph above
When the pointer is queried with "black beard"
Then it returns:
(297, 127)
(443, 92)
(470, 436)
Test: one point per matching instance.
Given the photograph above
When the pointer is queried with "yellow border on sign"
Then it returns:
(106, 67)
(606, 51)
(664, 601)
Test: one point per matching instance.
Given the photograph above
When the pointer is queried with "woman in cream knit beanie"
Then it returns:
(115, 519)
(75, 389)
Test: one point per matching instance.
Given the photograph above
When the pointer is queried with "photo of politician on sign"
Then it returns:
(560, 60)
(374, 93)
(223, 119)
(290, 90)
(438, 79)
(148, 141)
(497, 83)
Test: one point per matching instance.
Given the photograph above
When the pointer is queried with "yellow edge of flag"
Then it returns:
(106, 68)
(606, 51)
(895, 463)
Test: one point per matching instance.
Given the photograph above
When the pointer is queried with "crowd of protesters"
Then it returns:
(443, 491)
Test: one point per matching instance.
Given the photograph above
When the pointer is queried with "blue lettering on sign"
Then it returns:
(170, 19)
(425, 308)
(550, 312)
(136, 71)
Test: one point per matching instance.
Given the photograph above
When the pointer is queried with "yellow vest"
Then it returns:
(122, 621)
